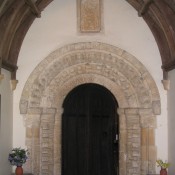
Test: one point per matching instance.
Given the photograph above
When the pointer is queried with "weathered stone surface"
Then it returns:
(23, 106)
(156, 107)
(148, 136)
(92, 62)
(32, 132)
(89, 15)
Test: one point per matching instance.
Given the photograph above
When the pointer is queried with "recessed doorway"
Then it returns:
(90, 129)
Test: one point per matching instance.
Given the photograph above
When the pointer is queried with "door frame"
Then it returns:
(115, 118)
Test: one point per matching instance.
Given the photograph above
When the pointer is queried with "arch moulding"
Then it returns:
(103, 64)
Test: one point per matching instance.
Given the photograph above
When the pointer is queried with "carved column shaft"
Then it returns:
(47, 143)
(148, 148)
(133, 141)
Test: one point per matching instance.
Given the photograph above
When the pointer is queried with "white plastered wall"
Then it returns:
(6, 120)
(122, 28)
(171, 122)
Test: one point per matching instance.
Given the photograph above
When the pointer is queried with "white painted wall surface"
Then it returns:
(6, 120)
(122, 28)
(171, 122)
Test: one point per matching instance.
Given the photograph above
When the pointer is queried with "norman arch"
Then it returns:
(90, 62)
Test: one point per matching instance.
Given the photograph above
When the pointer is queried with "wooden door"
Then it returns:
(89, 128)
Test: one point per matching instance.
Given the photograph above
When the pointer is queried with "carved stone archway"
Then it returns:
(90, 62)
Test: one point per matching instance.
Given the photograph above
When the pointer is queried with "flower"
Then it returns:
(18, 156)
(162, 164)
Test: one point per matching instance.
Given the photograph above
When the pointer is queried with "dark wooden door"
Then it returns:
(89, 128)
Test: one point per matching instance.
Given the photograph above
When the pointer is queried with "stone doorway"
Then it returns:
(89, 130)
(90, 62)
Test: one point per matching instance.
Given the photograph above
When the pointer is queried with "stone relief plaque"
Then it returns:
(89, 15)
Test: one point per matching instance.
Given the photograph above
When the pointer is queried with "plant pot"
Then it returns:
(163, 171)
(19, 170)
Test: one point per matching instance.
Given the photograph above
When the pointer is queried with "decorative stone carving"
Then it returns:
(76, 64)
(89, 15)
(166, 84)
(13, 84)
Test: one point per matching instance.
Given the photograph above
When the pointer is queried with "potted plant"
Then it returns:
(18, 157)
(163, 165)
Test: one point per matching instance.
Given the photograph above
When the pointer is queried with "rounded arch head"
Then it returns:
(89, 87)
(90, 62)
